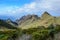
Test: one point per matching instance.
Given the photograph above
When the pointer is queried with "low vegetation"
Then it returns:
(42, 33)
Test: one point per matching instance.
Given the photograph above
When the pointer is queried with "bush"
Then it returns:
(40, 35)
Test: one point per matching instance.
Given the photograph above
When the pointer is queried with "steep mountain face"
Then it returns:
(27, 18)
(32, 21)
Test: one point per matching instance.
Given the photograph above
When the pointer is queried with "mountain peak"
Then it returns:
(45, 15)
(27, 17)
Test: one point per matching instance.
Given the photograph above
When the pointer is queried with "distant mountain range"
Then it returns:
(31, 21)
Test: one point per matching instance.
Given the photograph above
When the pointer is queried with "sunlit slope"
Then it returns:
(45, 20)
(58, 20)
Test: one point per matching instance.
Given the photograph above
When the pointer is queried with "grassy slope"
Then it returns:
(58, 20)
(40, 22)
(7, 33)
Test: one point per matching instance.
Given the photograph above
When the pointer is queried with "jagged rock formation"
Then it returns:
(9, 21)
(25, 18)
(31, 21)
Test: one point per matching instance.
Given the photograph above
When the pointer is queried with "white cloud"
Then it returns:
(52, 6)
(43, 5)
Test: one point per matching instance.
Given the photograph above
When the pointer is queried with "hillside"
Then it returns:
(7, 31)
(4, 24)
(31, 27)
(9, 21)
(32, 21)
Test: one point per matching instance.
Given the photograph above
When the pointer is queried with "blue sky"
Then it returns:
(14, 9)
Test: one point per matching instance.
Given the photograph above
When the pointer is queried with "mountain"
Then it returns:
(30, 18)
(37, 27)
(45, 15)
(4, 24)
(9, 21)
(32, 21)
